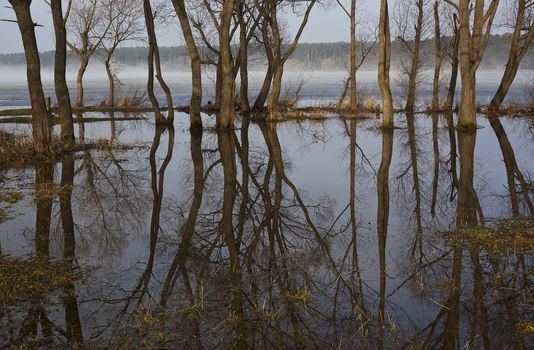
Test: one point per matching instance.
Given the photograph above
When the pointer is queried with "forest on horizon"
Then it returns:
(325, 56)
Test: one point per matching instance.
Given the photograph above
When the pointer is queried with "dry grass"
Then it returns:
(7, 199)
(24, 279)
(313, 114)
(518, 109)
(502, 237)
(134, 99)
(17, 152)
(367, 104)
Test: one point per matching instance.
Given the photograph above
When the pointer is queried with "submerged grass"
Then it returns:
(23, 279)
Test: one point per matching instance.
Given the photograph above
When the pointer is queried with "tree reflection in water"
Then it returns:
(238, 254)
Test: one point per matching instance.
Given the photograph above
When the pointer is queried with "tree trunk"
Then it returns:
(155, 59)
(225, 118)
(512, 168)
(265, 88)
(243, 61)
(384, 59)
(437, 59)
(81, 128)
(414, 69)
(279, 58)
(353, 94)
(74, 333)
(149, 22)
(194, 56)
(276, 62)
(267, 81)
(60, 81)
(276, 90)
(188, 229)
(467, 112)
(163, 84)
(44, 180)
(474, 36)
(40, 119)
(517, 52)
(111, 83)
(218, 83)
(382, 222)
(466, 212)
(435, 179)
(454, 71)
(79, 81)
(410, 121)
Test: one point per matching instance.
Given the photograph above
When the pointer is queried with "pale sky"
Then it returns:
(325, 25)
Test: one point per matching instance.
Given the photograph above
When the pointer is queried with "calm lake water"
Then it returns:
(292, 235)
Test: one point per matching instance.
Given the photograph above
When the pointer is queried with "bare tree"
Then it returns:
(384, 61)
(452, 52)
(274, 38)
(60, 80)
(266, 85)
(225, 119)
(361, 45)
(437, 58)
(522, 38)
(196, 93)
(352, 73)
(154, 60)
(410, 27)
(87, 28)
(248, 20)
(353, 96)
(476, 21)
(40, 119)
(124, 18)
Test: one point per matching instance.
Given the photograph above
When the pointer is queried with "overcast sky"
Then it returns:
(325, 25)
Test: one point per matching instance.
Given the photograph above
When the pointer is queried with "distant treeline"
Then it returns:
(307, 55)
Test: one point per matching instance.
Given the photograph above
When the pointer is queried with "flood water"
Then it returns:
(326, 234)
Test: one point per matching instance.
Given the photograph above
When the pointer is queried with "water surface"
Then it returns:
(317, 235)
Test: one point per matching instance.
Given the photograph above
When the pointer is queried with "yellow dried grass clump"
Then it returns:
(504, 236)
(23, 279)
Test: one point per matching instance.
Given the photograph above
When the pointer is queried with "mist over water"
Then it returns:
(320, 86)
